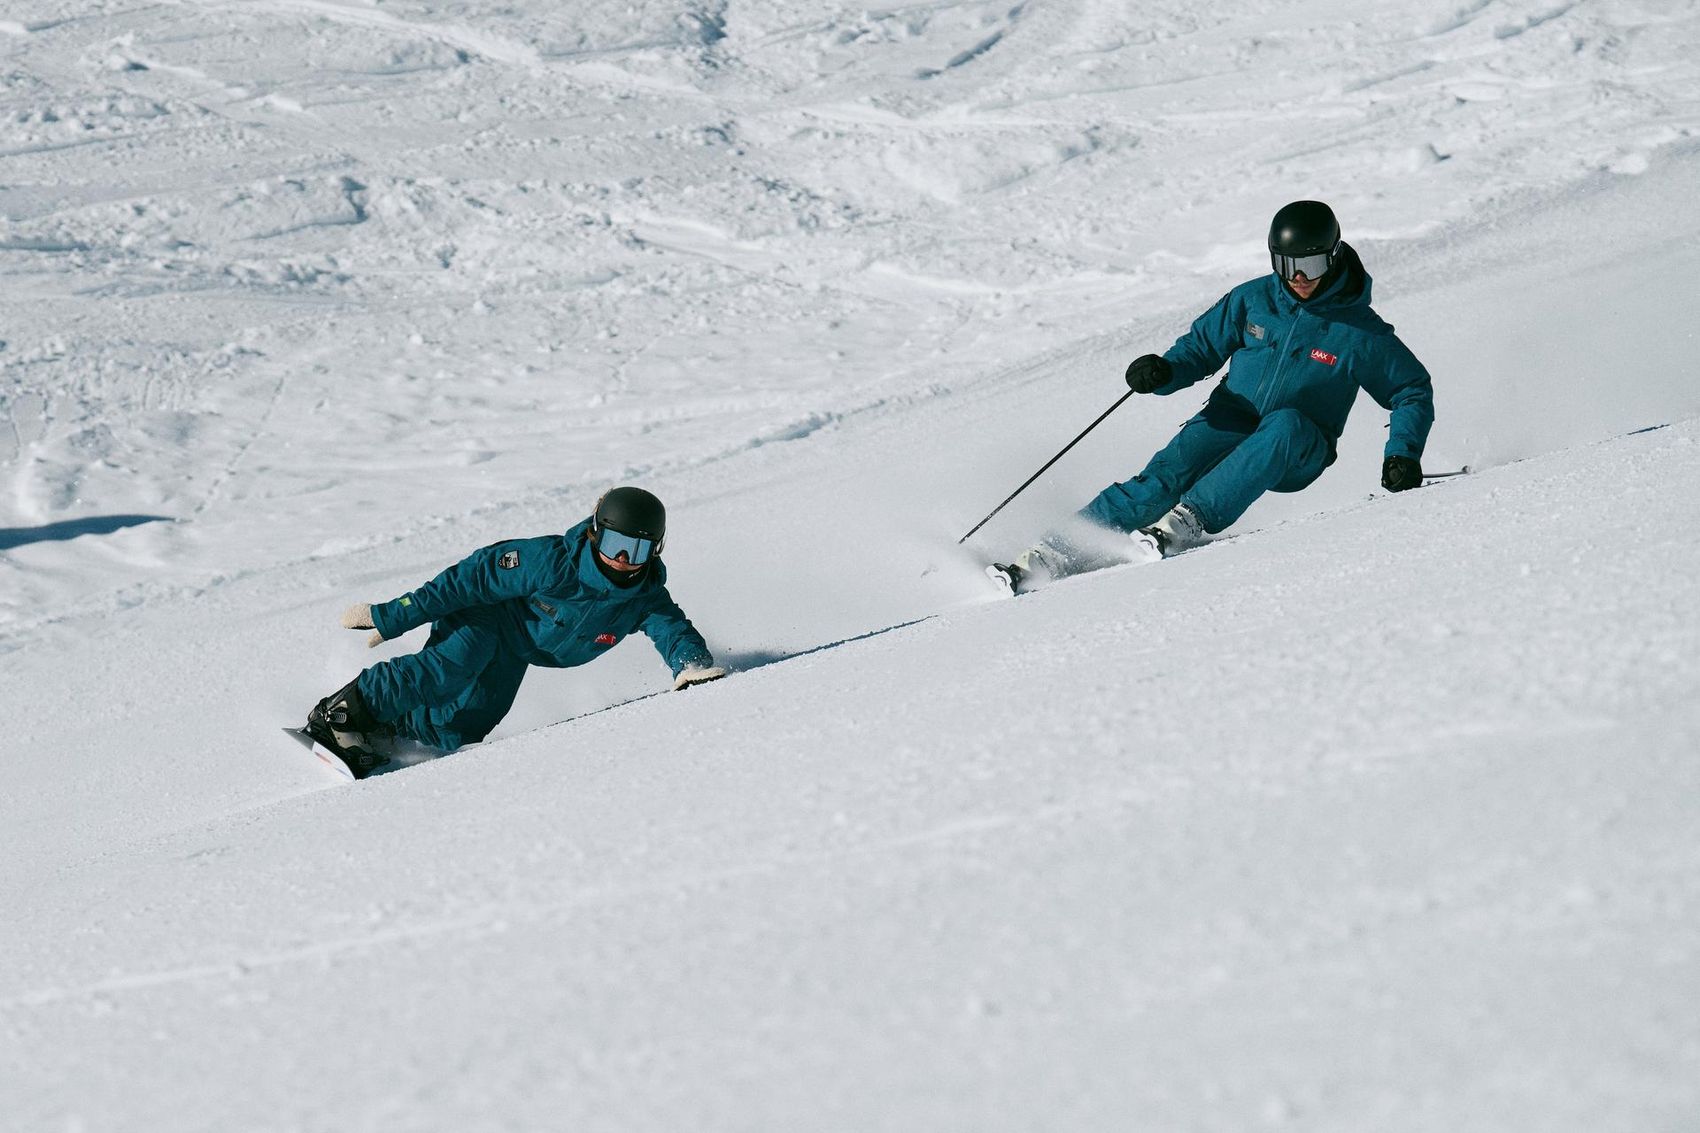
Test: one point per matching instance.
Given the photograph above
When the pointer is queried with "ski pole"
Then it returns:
(1048, 464)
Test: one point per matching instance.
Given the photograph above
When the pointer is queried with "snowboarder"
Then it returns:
(1299, 344)
(556, 601)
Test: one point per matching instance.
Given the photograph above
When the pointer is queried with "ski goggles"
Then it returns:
(1314, 266)
(637, 550)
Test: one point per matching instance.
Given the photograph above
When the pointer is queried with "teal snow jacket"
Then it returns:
(557, 609)
(1312, 357)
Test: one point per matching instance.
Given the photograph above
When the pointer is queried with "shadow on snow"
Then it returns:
(739, 663)
(410, 754)
(11, 537)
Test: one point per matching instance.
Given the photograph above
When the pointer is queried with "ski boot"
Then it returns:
(1046, 561)
(1007, 576)
(343, 723)
(1179, 530)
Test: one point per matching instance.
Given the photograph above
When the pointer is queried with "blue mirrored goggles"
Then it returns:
(1314, 266)
(637, 550)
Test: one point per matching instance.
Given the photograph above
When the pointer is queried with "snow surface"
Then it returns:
(1386, 816)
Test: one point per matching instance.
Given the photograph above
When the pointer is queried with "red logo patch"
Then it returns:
(606, 639)
(1324, 357)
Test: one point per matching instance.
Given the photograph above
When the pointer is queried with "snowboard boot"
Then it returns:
(343, 723)
(1179, 530)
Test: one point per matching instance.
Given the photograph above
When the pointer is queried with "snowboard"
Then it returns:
(322, 756)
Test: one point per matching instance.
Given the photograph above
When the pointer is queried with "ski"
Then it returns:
(1007, 577)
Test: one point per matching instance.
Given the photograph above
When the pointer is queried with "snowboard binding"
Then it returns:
(343, 724)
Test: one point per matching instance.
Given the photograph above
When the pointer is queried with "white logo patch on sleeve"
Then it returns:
(509, 560)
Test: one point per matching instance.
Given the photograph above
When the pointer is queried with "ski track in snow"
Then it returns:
(1380, 816)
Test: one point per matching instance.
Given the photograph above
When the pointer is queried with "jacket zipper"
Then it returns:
(1280, 365)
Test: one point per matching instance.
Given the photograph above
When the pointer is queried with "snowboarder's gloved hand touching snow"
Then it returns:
(696, 675)
(359, 616)
(1148, 372)
(1400, 472)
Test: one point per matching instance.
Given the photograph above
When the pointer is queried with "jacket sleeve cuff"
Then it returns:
(693, 661)
(396, 617)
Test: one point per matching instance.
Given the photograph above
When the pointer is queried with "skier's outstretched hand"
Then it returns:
(696, 675)
(359, 616)
(1400, 472)
(1149, 372)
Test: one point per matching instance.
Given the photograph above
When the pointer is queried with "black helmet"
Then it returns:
(634, 514)
(1304, 237)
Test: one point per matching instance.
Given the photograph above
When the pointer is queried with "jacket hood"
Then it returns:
(1350, 287)
(590, 575)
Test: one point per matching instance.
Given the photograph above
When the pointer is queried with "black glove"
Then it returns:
(1147, 372)
(1400, 472)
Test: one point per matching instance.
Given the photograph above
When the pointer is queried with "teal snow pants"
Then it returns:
(1218, 464)
(457, 688)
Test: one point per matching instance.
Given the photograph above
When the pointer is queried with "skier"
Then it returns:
(1299, 344)
(556, 601)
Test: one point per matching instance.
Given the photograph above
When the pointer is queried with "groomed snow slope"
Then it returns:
(1333, 825)
(1380, 817)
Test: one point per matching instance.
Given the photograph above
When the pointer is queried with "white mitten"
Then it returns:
(696, 675)
(359, 616)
